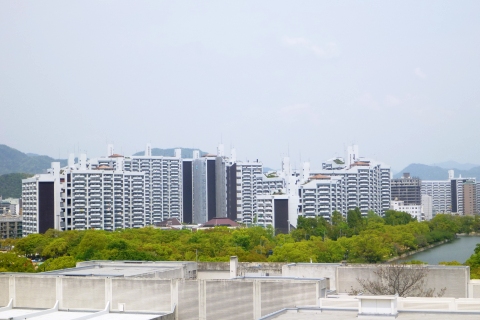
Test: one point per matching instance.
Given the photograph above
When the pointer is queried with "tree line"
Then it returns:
(355, 238)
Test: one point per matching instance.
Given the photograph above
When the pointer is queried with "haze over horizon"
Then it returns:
(397, 78)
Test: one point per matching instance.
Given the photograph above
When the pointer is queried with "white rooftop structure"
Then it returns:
(11, 313)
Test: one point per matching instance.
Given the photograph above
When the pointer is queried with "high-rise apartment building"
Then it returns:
(322, 195)
(118, 191)
(107, 193)
(448, 196)
(440, 191)
(457, 186)
(470, 198)
(41, 201)
(407, 189)
(246, 189)
(163, 184)
(344, 185)
(478, 196)
(209, 195)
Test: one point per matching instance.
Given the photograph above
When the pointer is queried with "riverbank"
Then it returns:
(458, 249)
(411, 253)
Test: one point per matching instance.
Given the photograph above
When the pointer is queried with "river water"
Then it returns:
(459, 249)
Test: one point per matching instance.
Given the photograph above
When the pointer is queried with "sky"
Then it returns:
(271, 78)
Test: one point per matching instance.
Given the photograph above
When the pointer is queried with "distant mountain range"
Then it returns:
(14, 161)
(455, 165)
(426, 172)
(11, 184)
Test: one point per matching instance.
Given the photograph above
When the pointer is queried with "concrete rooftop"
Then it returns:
(72, 315)
(352, 315)
(109, 271)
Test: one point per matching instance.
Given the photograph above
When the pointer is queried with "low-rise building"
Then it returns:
(414, 210)
(10, 227)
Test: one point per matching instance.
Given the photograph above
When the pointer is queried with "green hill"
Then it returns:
(11, 184)
(13, 161)
(186, 152)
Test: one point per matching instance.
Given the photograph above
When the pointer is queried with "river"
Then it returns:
(459, 249)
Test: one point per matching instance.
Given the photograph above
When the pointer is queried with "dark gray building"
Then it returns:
(407, 189)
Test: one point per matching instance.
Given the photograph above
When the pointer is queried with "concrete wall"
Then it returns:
(453, 278)
(229, 299)
(188, 299)
(261, 268)
(82, 293)
(146, 295)
(312, 270)
(241, 298)
(4, 292)
(86, 293)
(211, 275)
(474, 289)
(244, 268)
(33, 292)
(277, 295)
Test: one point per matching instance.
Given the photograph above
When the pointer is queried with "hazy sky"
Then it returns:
(399, 78)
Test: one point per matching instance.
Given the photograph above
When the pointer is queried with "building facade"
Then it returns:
(10, 227)
(455, 195)
(344, 185)
(413, 209)
(41, 202)
(440, 191)
(407, 189)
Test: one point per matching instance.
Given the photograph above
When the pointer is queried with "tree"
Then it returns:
(58, 263)
(369, 247)
(354, 219)
(337, 218)
(450, 263)
(12, 263)
(32, 244)
(56, 248)
(402, 279)
(395, 218)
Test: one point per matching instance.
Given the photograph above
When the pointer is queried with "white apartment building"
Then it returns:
(39, 204)
(163, 184)
(440, 191)
(265, 214)
(102, 199)
(247, 176)
(447, 195)
(270, 184)
(344, 185)
(107, 193)
(427, 207)
(322, 195)
(414, 210)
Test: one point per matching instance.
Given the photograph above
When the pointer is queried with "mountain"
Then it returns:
(426, 172)
(13, 161)
(11, 184)
(455, 165)
(186, 152)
